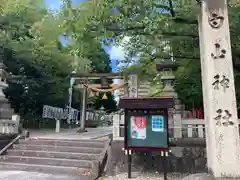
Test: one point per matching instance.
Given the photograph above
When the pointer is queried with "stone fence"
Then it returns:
(10, 126)
(189, 128)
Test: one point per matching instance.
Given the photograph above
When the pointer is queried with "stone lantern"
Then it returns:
(168, 78)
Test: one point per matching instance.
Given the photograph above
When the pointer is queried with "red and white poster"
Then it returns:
(138, 127)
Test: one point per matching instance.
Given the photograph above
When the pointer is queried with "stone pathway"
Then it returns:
(22, 175)
(70, 133)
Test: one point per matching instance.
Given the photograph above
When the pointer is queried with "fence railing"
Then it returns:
(190, 128)
(10, 126)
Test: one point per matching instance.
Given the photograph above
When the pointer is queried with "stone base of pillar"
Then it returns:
(225, 152)
(177, 125)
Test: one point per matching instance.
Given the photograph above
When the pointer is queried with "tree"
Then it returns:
(33, 54)
(159, 30)
(89, 46)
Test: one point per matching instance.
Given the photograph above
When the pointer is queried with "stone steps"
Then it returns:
(74, 171)
(64, 140)
(52, 154)
(70, 149)
(47, 161)
(72, 157)
(83, 143)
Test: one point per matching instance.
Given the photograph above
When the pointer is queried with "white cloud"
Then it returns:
(118, 52)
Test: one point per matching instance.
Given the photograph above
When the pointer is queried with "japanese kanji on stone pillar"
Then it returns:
(222, 133)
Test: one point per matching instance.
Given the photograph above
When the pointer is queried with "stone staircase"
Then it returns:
(71, 157)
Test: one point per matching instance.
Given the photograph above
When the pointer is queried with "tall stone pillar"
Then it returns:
(221, 119)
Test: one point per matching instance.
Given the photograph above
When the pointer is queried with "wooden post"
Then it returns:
(126, 86)
(165, 168)
(83, 115)
(129, 164)
(133, 86)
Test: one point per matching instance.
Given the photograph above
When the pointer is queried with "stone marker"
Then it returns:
(222, 133)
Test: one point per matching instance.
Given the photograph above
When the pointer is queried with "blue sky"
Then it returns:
(115, 53)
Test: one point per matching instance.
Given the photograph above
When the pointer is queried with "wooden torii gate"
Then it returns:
(82, 78)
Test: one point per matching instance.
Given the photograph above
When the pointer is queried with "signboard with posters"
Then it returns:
(146, 126)
(147, 131)
(146, 123)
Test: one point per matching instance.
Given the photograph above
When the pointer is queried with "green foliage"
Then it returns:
(41, 65)
(188, 84)
(31, 53)
(159, 31)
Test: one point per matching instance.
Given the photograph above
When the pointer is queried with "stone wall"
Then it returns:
(184, 160)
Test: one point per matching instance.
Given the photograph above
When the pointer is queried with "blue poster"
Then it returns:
(158, 123)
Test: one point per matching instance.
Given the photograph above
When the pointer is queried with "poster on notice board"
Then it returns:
(138, 127)
(158, 123)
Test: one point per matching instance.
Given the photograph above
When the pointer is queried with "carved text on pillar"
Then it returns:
(219, 52)
(222, 81)
(223, 117)
(215, 20)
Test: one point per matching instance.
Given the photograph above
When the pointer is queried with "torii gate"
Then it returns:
(222, 133)
(84, 77)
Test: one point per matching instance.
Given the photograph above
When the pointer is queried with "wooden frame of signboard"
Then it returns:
(147, 108)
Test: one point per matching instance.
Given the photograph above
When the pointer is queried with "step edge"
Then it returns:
(70, 142)
(65, 151)
(17, 145)
(64, 140)
(41, 165)
(60, 159)
(14, 150)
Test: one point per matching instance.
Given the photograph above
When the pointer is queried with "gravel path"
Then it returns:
(175, 176)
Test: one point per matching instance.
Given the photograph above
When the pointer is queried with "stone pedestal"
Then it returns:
(168, 90)
(16, 118)
(222, 133)
(57, 128)
(6, 111)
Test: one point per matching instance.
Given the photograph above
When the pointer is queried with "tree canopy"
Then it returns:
(38, 61)
(163, 31)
